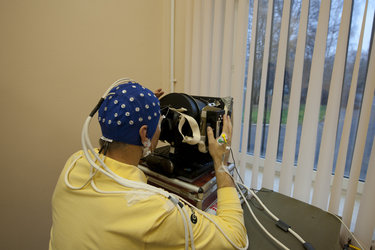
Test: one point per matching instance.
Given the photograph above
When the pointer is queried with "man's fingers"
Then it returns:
(210, 134)
(158, 93)
(229, 122)
(227, 127)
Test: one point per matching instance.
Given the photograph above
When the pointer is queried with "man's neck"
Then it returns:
(129, 154)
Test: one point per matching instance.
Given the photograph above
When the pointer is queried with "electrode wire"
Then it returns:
(126, 183)
(217, 226)
(190, 228)
(254, 216)
(347, 228)
(185, 226)
(235, 166)
(67, 173)
(258, 222)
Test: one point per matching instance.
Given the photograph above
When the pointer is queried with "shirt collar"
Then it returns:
(126, 171)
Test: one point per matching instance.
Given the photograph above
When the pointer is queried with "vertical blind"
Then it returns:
(217, 33)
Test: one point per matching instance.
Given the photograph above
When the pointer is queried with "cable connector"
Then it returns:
(308, 246)
(97, 107)
(349, 246)
(282, 225)
(175, 201)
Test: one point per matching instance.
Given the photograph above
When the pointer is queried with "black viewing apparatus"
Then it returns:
(184, 127)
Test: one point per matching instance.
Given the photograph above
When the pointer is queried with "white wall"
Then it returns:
(56, 59)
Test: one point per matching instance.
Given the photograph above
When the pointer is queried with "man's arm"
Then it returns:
(229, 218)
(218, 151)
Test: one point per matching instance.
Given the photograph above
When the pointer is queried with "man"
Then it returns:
(92, 210)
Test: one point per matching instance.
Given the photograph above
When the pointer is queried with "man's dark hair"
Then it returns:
(106, 146)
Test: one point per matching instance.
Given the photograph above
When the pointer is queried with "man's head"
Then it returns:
(126, 109)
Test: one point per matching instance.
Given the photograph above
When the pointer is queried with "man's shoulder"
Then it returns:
(75, 157)
(153, 200)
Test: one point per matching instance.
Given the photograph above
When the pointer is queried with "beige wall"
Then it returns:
(179, 40)
(56, 59)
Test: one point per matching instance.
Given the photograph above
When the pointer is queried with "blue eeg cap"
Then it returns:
(126, 108)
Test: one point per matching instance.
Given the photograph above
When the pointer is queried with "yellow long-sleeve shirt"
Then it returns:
(88, 219)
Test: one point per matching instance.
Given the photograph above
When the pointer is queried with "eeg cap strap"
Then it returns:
(126, 108)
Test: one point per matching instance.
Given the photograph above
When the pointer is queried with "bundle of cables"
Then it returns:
(282, 225)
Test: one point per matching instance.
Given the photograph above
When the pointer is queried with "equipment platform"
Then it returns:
(201, 191)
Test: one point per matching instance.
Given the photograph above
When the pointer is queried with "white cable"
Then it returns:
(257, 221)
(298, 237)
(118, 82)
(185, 226)
(217, 226)
(261, 203)
(125, 192)
(347, 228)
(66, 178)
(86, 139)
(67, 173)
(221, 230)
(251, 211)
(88, 157)
(108, 172)
(87, 147)
(190, 228)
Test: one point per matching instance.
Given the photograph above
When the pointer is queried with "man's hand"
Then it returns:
(217, 152)
(159, 93)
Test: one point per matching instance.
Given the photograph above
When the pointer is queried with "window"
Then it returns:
(333, 32)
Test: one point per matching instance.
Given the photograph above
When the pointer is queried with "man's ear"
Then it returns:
(143, 133)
